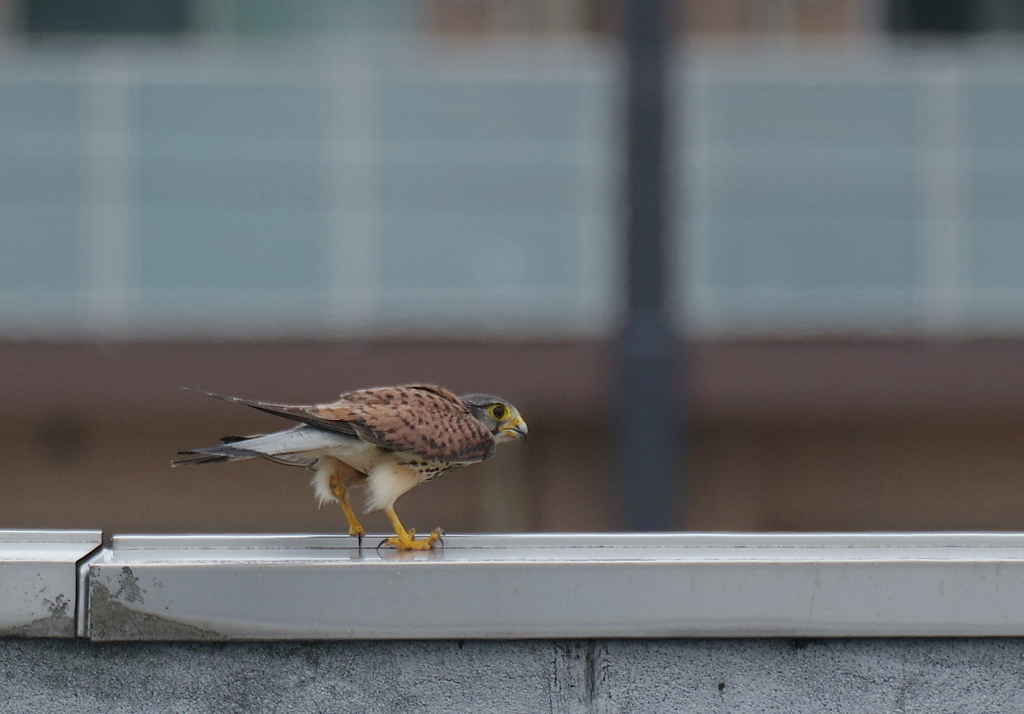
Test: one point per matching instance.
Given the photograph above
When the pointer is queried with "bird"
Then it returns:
(388, 439)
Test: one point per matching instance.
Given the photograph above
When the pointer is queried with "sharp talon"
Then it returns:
(406, 539)
(404, 544)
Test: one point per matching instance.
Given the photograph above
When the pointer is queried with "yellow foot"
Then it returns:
(409, 541)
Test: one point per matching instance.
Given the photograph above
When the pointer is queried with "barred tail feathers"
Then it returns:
(214, 454)
(294, 447)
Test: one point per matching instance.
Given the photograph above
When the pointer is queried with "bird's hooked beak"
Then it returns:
(515, 429)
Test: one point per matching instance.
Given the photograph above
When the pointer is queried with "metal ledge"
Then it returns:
(39, 583)
(559, 586)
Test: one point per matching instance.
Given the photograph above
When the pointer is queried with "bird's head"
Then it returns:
(500, 417)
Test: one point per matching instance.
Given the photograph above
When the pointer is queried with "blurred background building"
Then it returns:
(286, 200)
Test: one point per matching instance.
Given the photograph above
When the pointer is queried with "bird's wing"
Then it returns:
(422, 419)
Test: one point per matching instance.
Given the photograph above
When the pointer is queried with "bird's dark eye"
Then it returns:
(498, 412)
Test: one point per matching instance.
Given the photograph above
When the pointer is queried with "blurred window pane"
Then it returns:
(41, 197)
(994, 182)
(812, 202)
(932, 16)
(230, 199)
(106, 16)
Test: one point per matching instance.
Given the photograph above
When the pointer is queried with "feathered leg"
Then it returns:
(341, 475)
(355, 528)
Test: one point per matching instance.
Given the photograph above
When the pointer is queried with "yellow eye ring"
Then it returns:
(498, 412)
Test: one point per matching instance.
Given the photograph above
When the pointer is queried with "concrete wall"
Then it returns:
(931, 676)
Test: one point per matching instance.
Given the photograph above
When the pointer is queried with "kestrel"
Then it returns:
(389, 439)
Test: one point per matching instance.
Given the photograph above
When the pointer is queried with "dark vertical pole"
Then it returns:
(647, 464)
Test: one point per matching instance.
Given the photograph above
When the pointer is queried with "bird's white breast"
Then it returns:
(358, 454)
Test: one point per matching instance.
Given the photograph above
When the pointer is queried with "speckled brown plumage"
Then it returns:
(423, 419)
